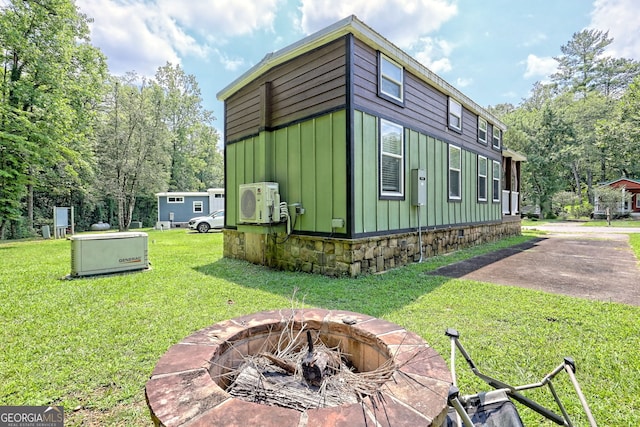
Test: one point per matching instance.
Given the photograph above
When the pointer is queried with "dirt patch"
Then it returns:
(594, 266)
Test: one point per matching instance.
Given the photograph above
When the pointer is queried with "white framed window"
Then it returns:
(482, 130)
(637, 201)
(391, 159)
(390, 79)
(497, 189)
(175, 199)
(455, 172)
(497, 137)
(198, 206)
(482, 179)
(455, 115)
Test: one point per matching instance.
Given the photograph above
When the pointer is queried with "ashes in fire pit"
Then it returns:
(304, 375)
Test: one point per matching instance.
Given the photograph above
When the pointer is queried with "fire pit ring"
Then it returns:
(187, 387)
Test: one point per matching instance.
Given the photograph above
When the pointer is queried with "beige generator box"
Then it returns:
(108, 253)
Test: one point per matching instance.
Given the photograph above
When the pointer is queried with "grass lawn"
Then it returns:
(91, 344)
(634, 240)
(614, 223)
(586, 223)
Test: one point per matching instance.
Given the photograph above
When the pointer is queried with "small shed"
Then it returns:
(176, 208)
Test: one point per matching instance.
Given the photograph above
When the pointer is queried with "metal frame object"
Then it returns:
(503, 392)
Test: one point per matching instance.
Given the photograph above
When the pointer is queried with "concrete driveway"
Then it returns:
(587, 262)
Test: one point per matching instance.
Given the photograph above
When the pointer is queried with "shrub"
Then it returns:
(584, 210)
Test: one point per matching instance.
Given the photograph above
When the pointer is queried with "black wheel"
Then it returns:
(203, 227)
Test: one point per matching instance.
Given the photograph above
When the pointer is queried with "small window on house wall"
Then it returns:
(497, 172)
(482, 130)
(390, 79)
(497, 137)
(455, 172)
(175, 199)
(391, 159)
(482, 179)
(455, 115)
(198, 207)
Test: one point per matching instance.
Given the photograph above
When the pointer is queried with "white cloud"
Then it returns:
(230, 18)
(535, 39)
(616, 16)
(442, 65)
(540, 66)
(433, 53)
(230, 64)
(463, 82)
(142, 35)
(401, 21)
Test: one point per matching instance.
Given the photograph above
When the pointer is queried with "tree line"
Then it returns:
(579, 129)
(71, 134)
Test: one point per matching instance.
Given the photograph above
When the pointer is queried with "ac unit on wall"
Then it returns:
(108, 253)
(259, 203)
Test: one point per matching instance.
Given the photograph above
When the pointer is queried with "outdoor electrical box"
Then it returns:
(418, 187)
(105, 253)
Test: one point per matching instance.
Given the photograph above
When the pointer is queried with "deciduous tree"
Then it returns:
(618, 135)
(193, 140)
(132, 143)
(51, 79)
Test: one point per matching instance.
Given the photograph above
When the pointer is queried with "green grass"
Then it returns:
(586, 223)
(614, 223)
(634, 241)
(91, 344)
(533, 222)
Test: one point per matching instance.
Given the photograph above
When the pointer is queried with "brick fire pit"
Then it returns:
(187, 386)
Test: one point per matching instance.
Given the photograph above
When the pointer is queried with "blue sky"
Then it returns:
(492, 50)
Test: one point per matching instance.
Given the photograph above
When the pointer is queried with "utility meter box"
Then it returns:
(418, 187)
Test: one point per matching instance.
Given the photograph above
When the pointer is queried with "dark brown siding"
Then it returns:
(242, 112)
(303, 87)
(425, 107)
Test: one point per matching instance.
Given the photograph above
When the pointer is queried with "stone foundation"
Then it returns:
(353, 257)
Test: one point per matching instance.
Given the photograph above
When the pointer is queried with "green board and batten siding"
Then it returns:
(289, 126)
(372, 215)
(309, 160)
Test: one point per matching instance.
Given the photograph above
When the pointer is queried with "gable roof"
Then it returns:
(631, 184)
(352, 25)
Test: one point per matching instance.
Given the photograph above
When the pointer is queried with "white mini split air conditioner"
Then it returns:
(259, 203)
(108, 253)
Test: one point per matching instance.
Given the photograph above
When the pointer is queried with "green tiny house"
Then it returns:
(339, 121)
